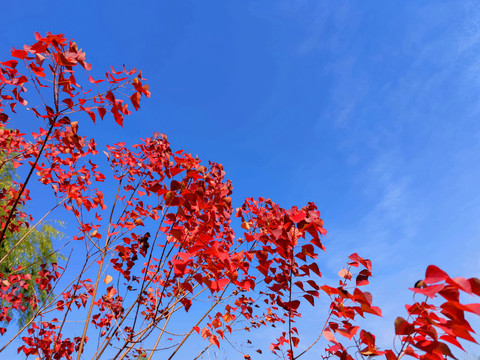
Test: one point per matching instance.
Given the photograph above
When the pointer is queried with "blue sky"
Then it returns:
(369, 109)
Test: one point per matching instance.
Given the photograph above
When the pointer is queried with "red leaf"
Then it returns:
(101, 111)
(463, 333)
(429, 291)
(367, 338)
(135, 99)
(315, 269)
(110, 97)
(222, 283)
(327, 334)
(390, 355)
(214, 340)
(452, 340)
(329, 290)
(295, 341)
(402, 327)
(474, 308)
(187, 303)
(362, 278)
(295, 215)
(247, 284)
(93, 81)
(365, 262)
(38, 71)
(10, 63)
(310, 299)
(111, 291)
(444, 349)
(434, 275)
(375, 310)
(475, 285)
(348, 333)
(293, 304)
(450, 293)
(345, 274)
(313, 284)
(179, 267)
(19, 54)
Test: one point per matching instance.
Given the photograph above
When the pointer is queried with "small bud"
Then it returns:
(419, 284)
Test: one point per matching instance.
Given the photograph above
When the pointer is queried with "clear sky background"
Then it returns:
(368, 108)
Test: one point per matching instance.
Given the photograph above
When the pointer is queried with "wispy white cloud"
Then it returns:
(407, 140)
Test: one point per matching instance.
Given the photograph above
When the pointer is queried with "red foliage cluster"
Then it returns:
(167, 240)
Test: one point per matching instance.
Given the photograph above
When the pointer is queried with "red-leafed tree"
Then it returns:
(163, 244)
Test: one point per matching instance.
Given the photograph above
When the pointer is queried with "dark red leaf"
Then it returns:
(402, 327)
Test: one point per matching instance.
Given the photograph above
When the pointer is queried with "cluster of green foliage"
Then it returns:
(27, 248)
